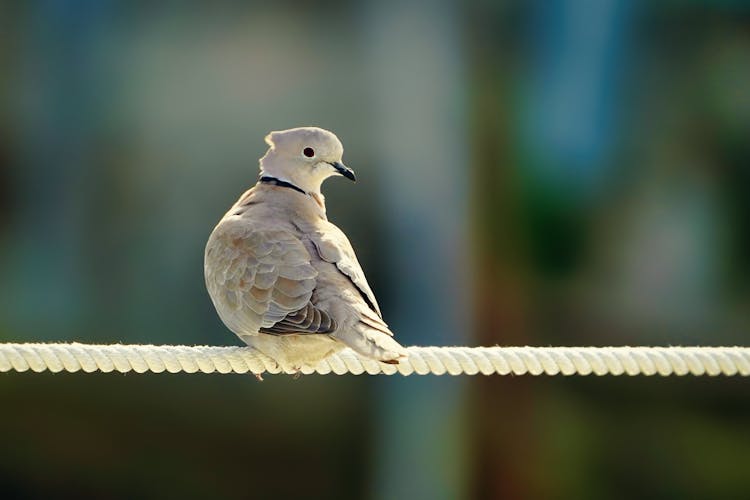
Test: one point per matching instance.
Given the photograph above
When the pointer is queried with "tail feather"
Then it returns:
(373, 343)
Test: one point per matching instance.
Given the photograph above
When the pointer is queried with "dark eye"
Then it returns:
(308, 152)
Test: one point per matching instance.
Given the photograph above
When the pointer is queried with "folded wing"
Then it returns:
(333, 246)
(261, 280)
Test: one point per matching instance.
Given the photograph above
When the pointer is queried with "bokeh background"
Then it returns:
(541, 173)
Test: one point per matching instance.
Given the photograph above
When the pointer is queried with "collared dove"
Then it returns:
(284, 278)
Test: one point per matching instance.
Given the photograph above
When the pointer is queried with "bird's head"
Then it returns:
(305, 157)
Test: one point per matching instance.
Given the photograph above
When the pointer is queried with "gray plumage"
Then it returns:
(284, 278)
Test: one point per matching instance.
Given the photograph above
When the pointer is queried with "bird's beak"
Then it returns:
(343, 170)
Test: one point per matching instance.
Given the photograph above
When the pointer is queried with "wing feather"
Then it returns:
(309, 319)
(257, 277)
(333, 246)
(262, 281)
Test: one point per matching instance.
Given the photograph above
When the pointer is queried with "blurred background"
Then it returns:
(530, 173)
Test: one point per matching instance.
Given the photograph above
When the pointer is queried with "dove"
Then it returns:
(281, 276)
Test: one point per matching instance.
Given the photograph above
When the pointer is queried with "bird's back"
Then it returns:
(273, 262)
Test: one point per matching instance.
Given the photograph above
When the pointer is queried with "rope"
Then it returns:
(663, 361)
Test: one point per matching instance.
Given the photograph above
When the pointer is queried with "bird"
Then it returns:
(284, 278)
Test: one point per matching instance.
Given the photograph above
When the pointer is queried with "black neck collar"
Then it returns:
(267, 179)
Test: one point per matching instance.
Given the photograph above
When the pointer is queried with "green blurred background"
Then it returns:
(541, 173)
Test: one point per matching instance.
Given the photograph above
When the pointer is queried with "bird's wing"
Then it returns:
(309, 319)
(333, 246)
(262, 280)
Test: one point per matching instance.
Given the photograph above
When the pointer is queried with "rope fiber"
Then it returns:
(73, 357)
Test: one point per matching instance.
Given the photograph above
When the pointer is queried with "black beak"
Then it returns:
(343, 170)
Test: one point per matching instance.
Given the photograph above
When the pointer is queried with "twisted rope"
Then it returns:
(663, 361)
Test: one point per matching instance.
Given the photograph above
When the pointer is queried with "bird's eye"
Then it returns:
(308, 152)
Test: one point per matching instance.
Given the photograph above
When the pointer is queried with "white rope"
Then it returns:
(422, 360)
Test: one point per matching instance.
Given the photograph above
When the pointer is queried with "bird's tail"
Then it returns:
(373, 344)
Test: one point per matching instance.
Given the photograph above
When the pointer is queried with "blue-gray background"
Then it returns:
(543, 173)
